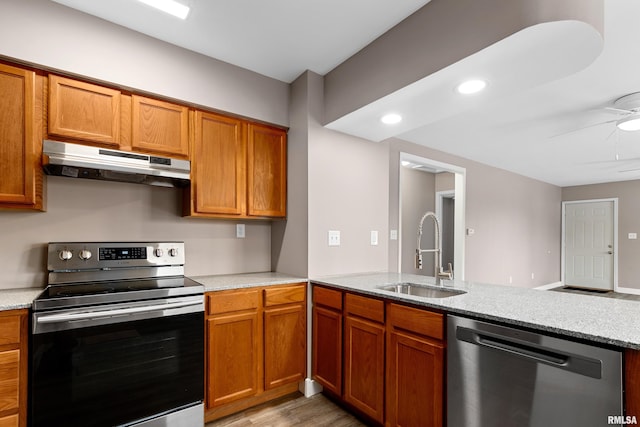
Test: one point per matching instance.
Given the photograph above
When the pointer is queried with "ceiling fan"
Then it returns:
(627, 109)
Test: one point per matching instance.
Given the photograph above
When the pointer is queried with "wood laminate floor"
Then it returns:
(295, 410)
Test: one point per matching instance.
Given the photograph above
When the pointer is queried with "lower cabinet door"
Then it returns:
(9, 421)
(364, 366)
(327, 349)
(234, 360)
(284, 345)
(415, 381)
(9, 380)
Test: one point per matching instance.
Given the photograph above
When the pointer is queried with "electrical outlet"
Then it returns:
(240, 231)
(334, 238)
(374, 237)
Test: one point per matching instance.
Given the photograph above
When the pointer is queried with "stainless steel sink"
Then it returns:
(426, 291)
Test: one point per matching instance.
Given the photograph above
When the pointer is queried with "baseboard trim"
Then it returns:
(309, 387)
(549, 286)
(623, 290)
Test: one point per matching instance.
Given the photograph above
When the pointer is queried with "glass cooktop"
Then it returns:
(92, 293)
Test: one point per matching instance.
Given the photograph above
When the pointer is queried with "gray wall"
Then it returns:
(84, 210)
(349, 192)
(628, 194)
(289, 238)
(517, 221)
(417, 197)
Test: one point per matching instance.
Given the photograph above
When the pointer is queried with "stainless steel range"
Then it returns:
(118, 338)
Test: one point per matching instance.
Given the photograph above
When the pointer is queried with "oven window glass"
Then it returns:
(117, 374)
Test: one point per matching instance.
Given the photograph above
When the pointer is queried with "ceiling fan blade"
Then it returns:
(629, 170)
(583, 128)
(619, 110)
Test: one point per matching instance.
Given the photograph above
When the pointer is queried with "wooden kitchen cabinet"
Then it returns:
(255, 346)
(84, 111)
(159, 127)
(266, 171)
(415, 367)
(632, 382)
(234, 344)
(92, 114)
(285, 335)
(21, 116)
(218, 169)
(13, 367)
(238, 169)
(327, 339)
(389, 363)
(364, 367)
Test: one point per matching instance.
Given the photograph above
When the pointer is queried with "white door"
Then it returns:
(589, 244)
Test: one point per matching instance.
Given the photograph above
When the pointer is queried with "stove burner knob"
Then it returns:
(84, 254)
(65, 255)
(159, 252)
(173, 252)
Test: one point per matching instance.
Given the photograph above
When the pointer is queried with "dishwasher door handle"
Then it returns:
(536, 353)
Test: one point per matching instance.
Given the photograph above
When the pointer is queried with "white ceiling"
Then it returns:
(514, 130)
(277, 38)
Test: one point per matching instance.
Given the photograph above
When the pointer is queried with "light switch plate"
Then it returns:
(240, 231)
(374, 237)
(393, 235)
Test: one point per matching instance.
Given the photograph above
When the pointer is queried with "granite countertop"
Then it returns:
(247, 280)
(605, 320)
(12, 299)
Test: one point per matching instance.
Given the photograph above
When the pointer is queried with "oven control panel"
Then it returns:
(112, 255)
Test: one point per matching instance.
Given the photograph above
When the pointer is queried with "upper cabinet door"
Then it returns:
(267, 171)
(160, 127)
(218, 167)
(84, 111)
(19, 139)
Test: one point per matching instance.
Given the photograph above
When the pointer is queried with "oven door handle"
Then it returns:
(66, 317)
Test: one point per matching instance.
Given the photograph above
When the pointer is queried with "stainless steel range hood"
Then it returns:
(82, 161)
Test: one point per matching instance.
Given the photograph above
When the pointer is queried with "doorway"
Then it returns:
(589, 244)
(455, 194)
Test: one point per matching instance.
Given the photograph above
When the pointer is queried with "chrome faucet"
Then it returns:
(439, 274)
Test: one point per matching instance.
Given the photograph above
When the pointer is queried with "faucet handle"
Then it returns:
(418, 264)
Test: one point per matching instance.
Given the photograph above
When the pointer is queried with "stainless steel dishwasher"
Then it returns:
(507, 377)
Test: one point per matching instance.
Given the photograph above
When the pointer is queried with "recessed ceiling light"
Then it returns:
(471, 86)
(630, 123)
(391, 119)
(169, 6)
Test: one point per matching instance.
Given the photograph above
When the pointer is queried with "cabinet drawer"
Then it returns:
(327, 297)
(9, 330)
(284, 295)
(421, 322)
(368, 308)
(226, 301)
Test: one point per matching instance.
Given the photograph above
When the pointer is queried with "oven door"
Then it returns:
(125, 369)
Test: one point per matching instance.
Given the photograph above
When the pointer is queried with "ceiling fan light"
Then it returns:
(630, 123)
